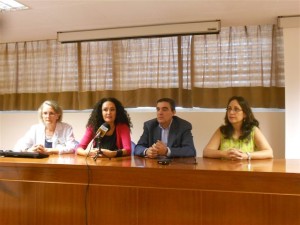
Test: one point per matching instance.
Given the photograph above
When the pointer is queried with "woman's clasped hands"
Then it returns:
(38, 148)
(234, 154)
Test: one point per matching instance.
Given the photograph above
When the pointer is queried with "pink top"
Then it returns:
(122, 133)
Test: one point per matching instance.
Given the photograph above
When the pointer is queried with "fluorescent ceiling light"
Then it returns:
(11, 5)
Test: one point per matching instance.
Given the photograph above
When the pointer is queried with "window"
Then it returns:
(195, 70)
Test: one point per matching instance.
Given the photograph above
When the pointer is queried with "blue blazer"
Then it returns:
(180, 140)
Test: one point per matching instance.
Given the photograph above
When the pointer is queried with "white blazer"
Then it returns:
(63, 138)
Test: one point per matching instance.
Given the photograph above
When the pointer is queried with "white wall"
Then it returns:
(15, 124)
(292, 91)
(281, 129)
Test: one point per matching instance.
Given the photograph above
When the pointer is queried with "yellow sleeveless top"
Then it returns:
(246, 145)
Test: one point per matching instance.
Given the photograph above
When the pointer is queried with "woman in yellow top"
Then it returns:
(240, 137)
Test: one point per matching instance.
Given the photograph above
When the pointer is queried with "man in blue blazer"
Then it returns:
(167, 135)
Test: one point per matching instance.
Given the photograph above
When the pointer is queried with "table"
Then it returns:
(69, 189)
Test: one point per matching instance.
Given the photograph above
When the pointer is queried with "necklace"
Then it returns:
(48, 135)
(48, 138)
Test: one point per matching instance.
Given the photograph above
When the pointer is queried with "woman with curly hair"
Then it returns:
(116, 142)
(240, 137)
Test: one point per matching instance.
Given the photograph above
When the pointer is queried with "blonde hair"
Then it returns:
(54, 105)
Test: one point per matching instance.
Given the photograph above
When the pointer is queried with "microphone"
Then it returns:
(102, 130)
(100, 133)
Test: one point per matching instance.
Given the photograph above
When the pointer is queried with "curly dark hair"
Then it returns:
(248, 123)
(96, 118)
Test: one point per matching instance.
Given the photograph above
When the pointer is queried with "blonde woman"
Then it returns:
(51, 135)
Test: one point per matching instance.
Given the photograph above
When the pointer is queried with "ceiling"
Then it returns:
(46, 17)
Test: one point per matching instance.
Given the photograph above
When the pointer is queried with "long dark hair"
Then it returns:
(248, 123)
(96, 118)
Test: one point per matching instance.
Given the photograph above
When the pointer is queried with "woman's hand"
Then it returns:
(235, 154)
(85, 152)
(38, 148)
(108, 153)
(51, 151)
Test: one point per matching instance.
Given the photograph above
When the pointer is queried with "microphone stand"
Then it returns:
(100, 151)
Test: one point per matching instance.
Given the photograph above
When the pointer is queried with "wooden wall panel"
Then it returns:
(169, 206)
(42, 203)
(17, 203)
(111, 205)
(226, 208)
(285, 209)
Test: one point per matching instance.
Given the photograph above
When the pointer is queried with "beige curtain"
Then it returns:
(197, 71)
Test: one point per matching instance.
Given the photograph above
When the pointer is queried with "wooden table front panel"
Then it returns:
(137, 191)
